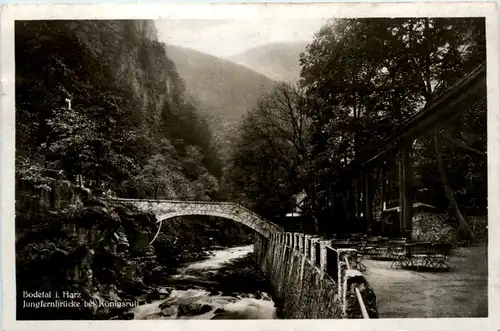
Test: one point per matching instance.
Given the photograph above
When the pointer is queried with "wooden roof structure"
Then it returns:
(449, 104)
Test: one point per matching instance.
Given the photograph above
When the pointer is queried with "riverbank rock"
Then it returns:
(88, 250)
(193, 309)
(132, 285)
(229, 315)
(165, 304)
(169, 311)
(157, 295)
(128, 316)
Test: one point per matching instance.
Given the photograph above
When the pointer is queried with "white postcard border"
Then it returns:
(9, 13)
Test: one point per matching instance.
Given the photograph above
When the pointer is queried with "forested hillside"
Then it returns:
(279, 61)
(222, 90)
(99, 103)
(100, 100)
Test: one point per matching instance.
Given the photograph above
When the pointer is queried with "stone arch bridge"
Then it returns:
(309, 277)
(166, 209)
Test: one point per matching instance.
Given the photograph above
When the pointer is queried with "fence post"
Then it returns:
(301, 242)
(313, 250)
(307, 245)
(343, 257)
(323, 244)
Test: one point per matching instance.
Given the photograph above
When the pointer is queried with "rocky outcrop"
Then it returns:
(100, 252)
(193, 309)
(100, 249)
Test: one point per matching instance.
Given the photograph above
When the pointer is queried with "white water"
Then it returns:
(247, 307)
(217, 259)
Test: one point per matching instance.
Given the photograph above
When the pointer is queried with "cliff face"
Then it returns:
(99, 106)
(101, 100)
(136, 59)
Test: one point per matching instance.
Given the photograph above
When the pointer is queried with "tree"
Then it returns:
(365, 76)
(101, 99)
(272, 150)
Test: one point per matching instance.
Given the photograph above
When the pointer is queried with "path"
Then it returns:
(462, 292)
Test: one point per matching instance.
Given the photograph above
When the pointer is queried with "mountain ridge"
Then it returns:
(278, 61)
(217, 82)
(221, 90)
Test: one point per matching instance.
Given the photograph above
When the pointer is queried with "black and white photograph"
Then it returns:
(266, 169)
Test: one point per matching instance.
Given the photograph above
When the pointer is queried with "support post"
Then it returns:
(368, 201)
(300, 237)
(408, 189)
(313, 250)
(307, 246)
(401, 194)
(323, 244)
(383, 195)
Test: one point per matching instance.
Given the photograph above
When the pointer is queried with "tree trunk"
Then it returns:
(464, 227)
(368, 202)
(386, 175)
(357, 204)
(407, 189)
(316, 225)
(384, 185)
(348, 209)
(401, 197)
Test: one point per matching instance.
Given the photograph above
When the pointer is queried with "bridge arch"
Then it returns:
(167, 209)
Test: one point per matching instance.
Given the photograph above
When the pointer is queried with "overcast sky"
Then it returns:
(228, 37)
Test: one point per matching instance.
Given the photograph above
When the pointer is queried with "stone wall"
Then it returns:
(311, 279)
(432, 227)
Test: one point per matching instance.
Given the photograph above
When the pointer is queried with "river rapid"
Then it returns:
(214, 288)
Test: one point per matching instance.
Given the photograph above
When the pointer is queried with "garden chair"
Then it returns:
(370, 246)
(438, 256)
(397, 252)
(418, 251)
(357, 257)
(382, 251)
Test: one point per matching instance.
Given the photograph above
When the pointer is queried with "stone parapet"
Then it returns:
(312, 279)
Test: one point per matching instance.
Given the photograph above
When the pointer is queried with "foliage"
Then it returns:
(101, 100)
(365, 76)
(272, 150)
(360, 79)
(32, 173)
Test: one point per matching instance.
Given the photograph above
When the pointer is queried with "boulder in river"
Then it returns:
(132, 285)
(128, 316)
(229, 315)
(193, 309)
(157, 295)
(166, 304)
(169, 311)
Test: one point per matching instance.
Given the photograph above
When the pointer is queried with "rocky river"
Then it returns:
(226, 285)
